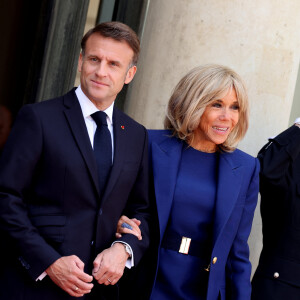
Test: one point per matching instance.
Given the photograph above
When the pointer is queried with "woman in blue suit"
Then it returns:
(206, 190)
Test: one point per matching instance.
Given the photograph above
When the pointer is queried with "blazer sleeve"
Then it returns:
(238, 267)
(18, 166)
(139, 206)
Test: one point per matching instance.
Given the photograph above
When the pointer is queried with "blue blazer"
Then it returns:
(237, 192)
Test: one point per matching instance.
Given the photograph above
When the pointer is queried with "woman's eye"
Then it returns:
(235, 107)
(218, 105)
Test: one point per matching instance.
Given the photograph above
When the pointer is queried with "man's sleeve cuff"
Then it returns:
(130, 261)
(42, 276)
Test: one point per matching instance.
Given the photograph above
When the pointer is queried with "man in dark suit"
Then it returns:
(278, 274)
(59, 206)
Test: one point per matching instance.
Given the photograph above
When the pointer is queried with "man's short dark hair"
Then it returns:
(117, 31)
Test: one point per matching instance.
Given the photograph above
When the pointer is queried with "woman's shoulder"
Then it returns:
(157, 135)
(242, 154)
(243, 158)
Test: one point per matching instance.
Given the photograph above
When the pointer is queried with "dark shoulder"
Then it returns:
(282, 139)
(126, 122)
(287, 135)
(288, 139)
(122, 116)
(54, 104)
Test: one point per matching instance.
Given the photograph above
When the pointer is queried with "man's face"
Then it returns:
(104, 69)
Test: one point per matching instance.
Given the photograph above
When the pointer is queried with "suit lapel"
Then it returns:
(119, 150)
(166, 158)
(228, 188)
(75, 119)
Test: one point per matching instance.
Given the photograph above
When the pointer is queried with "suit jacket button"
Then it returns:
(100, 212)
(214, 260)
(276, 275)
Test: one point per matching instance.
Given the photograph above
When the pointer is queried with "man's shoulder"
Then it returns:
(57, 102)
(122, 118)
(288, 138)
(287, 135)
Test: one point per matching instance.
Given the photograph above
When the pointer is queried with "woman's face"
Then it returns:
(217, 121)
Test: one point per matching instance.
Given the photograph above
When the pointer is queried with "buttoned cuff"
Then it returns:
(130, 261)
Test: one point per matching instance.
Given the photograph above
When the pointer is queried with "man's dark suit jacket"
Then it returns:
(278, 272)
(49, 198)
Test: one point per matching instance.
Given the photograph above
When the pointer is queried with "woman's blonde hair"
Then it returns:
(197, 89)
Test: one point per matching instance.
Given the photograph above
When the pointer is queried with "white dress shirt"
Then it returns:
(88, 108)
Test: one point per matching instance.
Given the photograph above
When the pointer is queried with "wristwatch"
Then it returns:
(127, 249)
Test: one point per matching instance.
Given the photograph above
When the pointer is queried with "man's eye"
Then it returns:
(94, 59)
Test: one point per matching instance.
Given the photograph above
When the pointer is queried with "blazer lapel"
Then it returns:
(75, 119)
(166, 158)
(119, 150)
(228, 187)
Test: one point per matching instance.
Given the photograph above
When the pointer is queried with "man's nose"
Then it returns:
(101, 69)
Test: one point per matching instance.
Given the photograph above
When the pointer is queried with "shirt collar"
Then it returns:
(88, 107)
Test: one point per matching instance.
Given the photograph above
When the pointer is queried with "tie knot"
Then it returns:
(99, 117)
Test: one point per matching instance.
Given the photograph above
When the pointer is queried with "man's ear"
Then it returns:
(80, 62)
(130, 74)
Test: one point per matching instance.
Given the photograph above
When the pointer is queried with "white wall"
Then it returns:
(295, 112)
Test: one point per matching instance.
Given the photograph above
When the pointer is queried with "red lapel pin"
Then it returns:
(122, 127)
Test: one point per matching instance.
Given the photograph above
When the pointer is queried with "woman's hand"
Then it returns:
(131, 226)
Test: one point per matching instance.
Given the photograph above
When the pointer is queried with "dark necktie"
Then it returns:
(102, 148)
